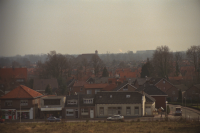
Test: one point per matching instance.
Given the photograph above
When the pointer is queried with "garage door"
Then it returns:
(148, 110)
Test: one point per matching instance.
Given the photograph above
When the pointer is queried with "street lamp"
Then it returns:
(166, 108)
(185, 107)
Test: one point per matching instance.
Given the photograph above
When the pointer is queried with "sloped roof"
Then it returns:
(79, 83)
(13, 73)
(152, 90)
(93, 86)
(120, 98)
(21, 92)
(101, 80)
(122, 85)
(181, 87)
(41, 84)
(197, 85)
(141, 81)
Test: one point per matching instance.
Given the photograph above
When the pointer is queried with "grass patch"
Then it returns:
(100, 127)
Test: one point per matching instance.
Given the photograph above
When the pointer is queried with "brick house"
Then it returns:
(173, 94)
(160, 83)
(156, 93)
(71, 107)
(12, 77)
(87, 106)
(124, 103)
(78, 87)
(193, 93)
(21, 99)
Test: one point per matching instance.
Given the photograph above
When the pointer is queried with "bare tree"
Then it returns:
(178, 60)
(85, 63)
(97, 64)
(162, 61)
(193, 54)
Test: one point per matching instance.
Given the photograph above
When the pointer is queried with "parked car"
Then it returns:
(2, 120)
(53, 119)
(178, 111)
(115, 118)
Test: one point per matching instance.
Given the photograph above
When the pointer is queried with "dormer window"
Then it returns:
(71, 101)
(110, 96)
(128, 96)
(88, 101)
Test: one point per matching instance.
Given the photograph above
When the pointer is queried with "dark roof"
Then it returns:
(154, 80)
(142, 81)
(120, 98)
(122, 85)
(152, 90)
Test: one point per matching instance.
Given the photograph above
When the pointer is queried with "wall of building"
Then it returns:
(123, 109)
(160, 101)
(164, 85)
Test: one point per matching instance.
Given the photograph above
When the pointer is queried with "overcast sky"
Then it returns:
(83, 26)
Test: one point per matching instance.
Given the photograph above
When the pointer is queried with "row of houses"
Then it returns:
(30, 104)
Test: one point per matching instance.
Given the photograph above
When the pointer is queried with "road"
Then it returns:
(187, 113)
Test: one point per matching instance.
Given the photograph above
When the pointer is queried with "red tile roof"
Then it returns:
(79, 83)
(21, 92)
(6, 73)
(110, 87)
(95, 85)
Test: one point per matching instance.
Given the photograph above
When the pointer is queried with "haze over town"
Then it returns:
(83, 26)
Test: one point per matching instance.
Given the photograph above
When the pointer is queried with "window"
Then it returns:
(110, 96)
(114, 110)
(128, 110)
(24, 102)
(71, 101)
(97, 90)
(81, 89)
(8, 103)
(69, 112)
(163, 81)
(85, 110)
(20, 80)
(89, 91)
(51, 101)
(128, 96)
(136, 111)
(101, 111)
(88, 101)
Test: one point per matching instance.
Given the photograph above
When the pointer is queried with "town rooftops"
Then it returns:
(93, 86)
(21, 92)
(122, 85)
(79, 83)
(112, 97)
(6, 73)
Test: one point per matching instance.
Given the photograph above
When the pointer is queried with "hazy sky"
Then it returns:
(83, 26)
